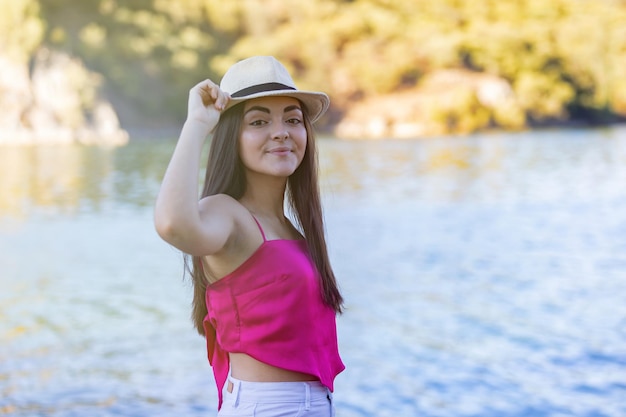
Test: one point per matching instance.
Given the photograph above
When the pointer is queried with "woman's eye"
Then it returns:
(257, 123)
(294, 121)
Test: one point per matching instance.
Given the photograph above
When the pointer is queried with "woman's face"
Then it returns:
(273, 137)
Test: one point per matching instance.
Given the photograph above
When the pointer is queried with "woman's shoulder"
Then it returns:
(219, 197)
(225, 223)
(224, 209)
(221, 202)
(237, 228)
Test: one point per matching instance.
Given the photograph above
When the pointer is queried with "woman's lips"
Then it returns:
(280, 151)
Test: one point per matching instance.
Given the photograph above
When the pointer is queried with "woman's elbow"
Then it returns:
(165, 228)
(178, 236)
(164, 231)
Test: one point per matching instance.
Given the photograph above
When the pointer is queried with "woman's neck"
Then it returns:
(265, 198)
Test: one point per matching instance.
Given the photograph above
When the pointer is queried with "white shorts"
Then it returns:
(276, 399)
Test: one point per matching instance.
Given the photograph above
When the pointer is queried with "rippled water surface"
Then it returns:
(484, 276)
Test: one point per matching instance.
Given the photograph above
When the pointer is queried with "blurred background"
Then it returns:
(473, 170)
(403, 68)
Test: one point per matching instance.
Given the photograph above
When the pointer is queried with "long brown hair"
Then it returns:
(225, 174)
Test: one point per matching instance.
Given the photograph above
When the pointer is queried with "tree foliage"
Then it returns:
(21, 29)
(563, 58)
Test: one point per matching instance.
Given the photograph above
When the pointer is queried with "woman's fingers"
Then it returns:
(206, 95)
(210, 93)
(206, 103)
(222, 100)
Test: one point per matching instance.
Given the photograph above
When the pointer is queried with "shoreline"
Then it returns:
(64, 137)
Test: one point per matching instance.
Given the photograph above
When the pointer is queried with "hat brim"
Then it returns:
(316, 103)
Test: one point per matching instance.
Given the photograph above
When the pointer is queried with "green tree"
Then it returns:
(562, 58)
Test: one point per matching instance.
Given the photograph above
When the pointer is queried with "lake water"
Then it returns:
(484, 276)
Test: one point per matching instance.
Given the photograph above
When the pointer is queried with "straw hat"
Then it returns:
(262, 76)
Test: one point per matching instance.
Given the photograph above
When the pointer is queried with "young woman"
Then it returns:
(265, 296)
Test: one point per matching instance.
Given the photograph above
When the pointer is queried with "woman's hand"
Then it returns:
(206, 103)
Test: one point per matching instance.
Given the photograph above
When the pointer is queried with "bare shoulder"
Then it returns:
(219, 216)
(225, 209)
(220, 212)
(234, 232)
(226, 219)
(220, 203)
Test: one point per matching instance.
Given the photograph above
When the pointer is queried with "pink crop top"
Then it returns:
(271, 308)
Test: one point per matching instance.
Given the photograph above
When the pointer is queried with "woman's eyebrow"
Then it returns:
(266, 110)
(292, 107)
(259, 108)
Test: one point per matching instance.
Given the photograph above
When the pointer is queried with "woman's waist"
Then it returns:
(246, 368)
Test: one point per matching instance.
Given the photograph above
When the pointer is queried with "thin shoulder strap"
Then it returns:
(260, 228)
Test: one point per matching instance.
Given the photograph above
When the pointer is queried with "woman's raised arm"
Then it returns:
(179, 219)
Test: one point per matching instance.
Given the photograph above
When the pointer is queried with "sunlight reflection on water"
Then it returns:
(484, 276)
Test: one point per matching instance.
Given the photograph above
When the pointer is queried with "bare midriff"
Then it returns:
(246, 368)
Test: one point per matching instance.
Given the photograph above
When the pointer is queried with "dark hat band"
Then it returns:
(260, 88)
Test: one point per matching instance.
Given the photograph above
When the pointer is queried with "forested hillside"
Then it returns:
(392, 68)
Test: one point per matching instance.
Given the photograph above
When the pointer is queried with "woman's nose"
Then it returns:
(280, 133)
